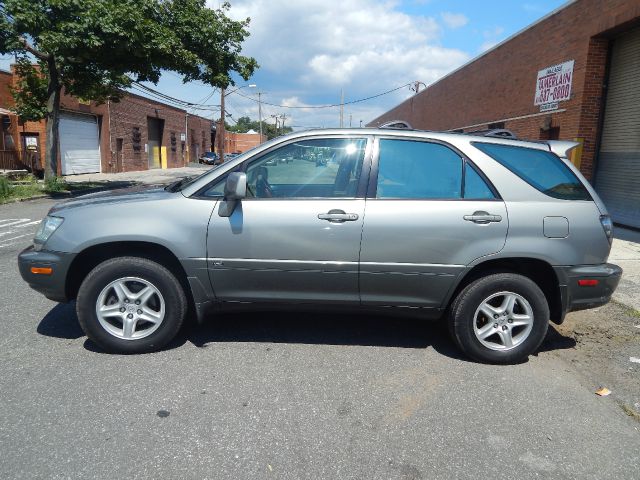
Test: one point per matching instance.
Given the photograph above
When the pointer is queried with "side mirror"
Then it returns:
(235, 189)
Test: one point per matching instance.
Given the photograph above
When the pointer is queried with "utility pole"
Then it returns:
(283, 117)
(341, 107)
(360, 123)
(275, 117)
(260, 114)
(221, 133)
(416, 86)
(350, 117)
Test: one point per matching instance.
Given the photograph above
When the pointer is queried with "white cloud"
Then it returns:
(454, 20)
(363, 46)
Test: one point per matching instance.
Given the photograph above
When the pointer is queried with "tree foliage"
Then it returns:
(244, 124)
(96, 48)
(30, 90)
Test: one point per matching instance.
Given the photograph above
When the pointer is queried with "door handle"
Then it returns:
(338, 216)
(482, 217)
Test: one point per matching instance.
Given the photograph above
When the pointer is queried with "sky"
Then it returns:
(309, 51)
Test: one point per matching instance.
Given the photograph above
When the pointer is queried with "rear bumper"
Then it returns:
(52, 286)
(576, 297)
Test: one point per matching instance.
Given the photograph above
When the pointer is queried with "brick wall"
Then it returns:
(501, 84)
(241, 142)
(199, 138)
(129, 117)
(126, 120)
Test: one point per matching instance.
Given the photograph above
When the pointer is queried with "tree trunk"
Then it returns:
(53, 119)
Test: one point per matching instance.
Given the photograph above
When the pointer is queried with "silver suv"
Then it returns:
(496, 236)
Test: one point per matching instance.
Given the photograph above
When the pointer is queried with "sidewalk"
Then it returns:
(143, 177)
(626, 253)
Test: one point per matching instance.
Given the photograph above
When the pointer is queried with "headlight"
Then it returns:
(47, 227)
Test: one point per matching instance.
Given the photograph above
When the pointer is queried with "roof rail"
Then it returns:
(494, 132)
(397, 124)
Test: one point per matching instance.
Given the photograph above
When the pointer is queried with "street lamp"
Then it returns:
(223, 95)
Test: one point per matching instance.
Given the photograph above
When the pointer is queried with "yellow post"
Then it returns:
(163, 157)
(576, 154)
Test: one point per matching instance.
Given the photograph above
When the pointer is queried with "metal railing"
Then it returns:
(9, 160)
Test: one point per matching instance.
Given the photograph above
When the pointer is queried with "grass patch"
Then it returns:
(28, 186)
(629, 311)
(632, 312)
(631, 412)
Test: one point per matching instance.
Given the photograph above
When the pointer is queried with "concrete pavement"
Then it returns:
(147, 177)
(255, 396)
(625, 252)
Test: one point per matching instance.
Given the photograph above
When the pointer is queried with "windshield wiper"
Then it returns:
(175, 186)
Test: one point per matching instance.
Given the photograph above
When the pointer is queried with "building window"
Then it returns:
(496, 126)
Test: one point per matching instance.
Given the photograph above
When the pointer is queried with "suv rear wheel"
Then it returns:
(501, 318)
(131, 305)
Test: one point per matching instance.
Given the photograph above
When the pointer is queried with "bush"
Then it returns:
(54, 184)
(5, 189)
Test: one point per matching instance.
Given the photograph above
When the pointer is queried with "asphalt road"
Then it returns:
(283, 396)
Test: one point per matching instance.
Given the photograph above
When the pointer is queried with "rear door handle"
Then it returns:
(482, 217)
(338, 216)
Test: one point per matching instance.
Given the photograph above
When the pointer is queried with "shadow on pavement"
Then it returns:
(556, 341)
(301, 328)
(319, 329)
(61, 322)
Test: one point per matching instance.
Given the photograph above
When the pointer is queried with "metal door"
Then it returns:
(414, 248)
(288, 243)
(617, 178)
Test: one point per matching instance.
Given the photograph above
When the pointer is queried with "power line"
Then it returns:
(333, 105)
(205, 107)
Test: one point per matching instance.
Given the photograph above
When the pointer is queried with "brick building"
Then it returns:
(575, 74)
(135, 133)
(241, 142)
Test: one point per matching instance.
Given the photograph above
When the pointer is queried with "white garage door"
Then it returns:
(618, 169)
(79, 144)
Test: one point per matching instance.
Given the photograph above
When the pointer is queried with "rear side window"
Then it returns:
(542, 170)
(418, 170)
(474, 186)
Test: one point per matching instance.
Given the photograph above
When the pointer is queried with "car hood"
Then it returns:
(142, 193)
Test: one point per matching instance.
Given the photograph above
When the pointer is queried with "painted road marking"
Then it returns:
(13, 226)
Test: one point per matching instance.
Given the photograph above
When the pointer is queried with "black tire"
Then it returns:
(463, 309)
(175, 303)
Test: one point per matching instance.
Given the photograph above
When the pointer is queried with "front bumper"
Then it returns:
(52, 286)
(575, 297)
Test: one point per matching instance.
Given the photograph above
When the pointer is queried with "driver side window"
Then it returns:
(325, 168)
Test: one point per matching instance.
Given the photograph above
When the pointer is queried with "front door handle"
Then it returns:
(482, 217)
(338, 216)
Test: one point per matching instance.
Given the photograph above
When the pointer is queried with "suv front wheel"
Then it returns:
(131, 305)
(501, 318)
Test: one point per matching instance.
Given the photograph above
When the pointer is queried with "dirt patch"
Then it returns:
(605, 340)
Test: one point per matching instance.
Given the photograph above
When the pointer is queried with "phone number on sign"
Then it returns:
(555, 94)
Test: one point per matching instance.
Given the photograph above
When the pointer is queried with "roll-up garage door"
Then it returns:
(618, 172)
(79, 143)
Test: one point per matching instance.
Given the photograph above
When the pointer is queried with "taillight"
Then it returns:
(607, 225)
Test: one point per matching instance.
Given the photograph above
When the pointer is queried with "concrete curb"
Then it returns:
(67, 194)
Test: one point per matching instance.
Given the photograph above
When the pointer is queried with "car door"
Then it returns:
(429, 213)
(296, 237)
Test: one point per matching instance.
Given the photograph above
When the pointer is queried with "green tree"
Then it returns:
(244, 124)
(96, 48)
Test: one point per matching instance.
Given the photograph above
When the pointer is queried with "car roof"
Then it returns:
(448, 137)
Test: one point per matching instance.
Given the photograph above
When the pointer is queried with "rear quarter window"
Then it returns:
(544, 171)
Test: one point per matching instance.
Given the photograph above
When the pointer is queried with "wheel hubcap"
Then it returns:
(503, 321)
(130, 308)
